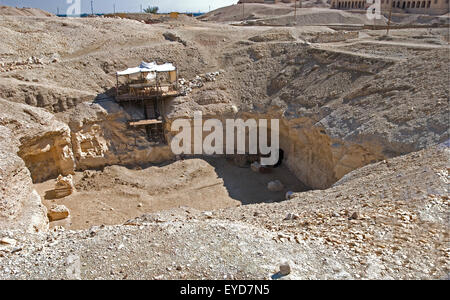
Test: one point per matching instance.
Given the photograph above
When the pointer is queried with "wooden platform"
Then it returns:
(145, 122)
(130, 97)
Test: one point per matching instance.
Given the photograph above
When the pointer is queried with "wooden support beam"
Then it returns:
(145, 122)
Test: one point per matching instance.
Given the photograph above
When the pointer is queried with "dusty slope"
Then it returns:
(252, 11)
(400, 232)
(342, 105)
(282, 14)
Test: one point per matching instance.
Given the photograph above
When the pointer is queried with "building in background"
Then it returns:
(429, 7)
(265, 1)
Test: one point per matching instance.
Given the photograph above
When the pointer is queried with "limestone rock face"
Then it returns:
(44, 142)
(33, 146)
(319, 160)
(49, 154)
(90, 144)
(51, 98)
(20, 205)
(100, 136)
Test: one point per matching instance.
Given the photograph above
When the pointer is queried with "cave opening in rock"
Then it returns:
(280, 158)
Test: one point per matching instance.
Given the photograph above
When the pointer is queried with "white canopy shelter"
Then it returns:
(145, 67)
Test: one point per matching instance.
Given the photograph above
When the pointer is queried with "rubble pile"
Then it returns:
(199, 81)
(29, 63)
(20, 64)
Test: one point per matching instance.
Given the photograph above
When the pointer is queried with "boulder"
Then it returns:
(289, 195)
(57, 212)
(275, 186)
(355, 216)
(64, 186)
(285, 269)
(256, 166)
(174, 38)
(291, 216)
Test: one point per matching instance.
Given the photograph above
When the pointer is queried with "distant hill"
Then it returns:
(26, 12)
(258, 10)
(315, 12)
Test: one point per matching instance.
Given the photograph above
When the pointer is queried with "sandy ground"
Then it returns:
(117, 194)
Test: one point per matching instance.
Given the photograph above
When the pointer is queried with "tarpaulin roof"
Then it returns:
(145, 67)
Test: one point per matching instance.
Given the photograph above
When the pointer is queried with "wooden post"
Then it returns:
(243, 11)
(117, 85)
(156, 107)
(144, 104)
(176, 84)
(389, 20)
(128, 84)
(295, 10)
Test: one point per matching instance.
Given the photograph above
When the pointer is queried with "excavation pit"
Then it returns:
(117, 194)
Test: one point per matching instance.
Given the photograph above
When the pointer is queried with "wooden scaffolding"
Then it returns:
(148, 86)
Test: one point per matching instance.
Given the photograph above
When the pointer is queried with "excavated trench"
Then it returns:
(111, 188)
(119, 173)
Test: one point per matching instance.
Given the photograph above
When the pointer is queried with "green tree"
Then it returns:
(151, 10)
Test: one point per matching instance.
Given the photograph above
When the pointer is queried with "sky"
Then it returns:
(107, 6)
